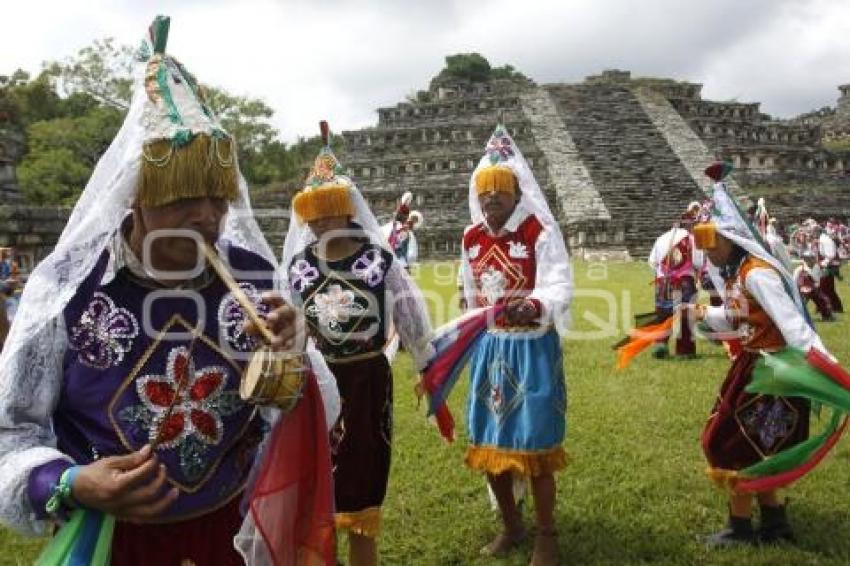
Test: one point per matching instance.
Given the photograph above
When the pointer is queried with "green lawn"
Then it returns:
(635, 490)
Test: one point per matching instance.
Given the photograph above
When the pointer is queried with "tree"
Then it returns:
(246, 119)
(475, 68)
(102, 70)
(507, 72)
(73, 109)
(470, 66)
(54, 176)
(25, 100)
(63, 152)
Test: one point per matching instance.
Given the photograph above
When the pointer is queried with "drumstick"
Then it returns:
(238, 293)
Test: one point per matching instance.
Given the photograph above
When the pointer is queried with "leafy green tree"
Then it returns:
(470, 66)
(247, 120)
(103, 70)
(507, 72)
(475, 68)
(54, 176)
(63, 152)
(27, 100)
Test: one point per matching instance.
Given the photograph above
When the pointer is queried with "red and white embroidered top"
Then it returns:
(523, 261)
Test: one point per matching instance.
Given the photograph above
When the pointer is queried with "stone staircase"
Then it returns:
(408, 151)
(641, 181)
(271, 210)
(577, 196)
(691, 150)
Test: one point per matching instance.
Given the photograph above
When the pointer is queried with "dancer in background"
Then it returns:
(352, 289)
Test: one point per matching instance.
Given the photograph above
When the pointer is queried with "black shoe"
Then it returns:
(774, 526)
(738, 532)
(660, 352)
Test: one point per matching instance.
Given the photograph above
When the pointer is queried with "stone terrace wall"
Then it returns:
(431, 149)
(32, 230)
(758, 145)
(432, 144)
(782, 160)
(685, 143)
(10, 148)
(642, 181)
(617, 157)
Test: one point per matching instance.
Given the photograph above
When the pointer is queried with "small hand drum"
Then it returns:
(274, 378)
(271, 378)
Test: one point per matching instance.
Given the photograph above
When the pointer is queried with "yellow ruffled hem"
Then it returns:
(366, 523)
(725, 479)
(527, 463)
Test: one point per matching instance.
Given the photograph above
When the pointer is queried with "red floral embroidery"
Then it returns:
(171, 428)
(194, 412)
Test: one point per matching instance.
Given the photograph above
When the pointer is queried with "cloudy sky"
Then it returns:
(340, 60)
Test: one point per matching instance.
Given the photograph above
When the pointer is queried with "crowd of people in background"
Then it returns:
(10, 289)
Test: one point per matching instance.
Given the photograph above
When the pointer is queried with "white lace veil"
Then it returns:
(94, 221)
(732, 224)
(299, 235)
(502, 150)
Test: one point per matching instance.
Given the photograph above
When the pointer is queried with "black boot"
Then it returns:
(774, 525)
(738, 532)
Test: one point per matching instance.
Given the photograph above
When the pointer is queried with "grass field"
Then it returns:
(635, 490)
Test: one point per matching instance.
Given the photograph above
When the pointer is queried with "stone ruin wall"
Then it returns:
(617, 157)
(32, 230)
(10, 151)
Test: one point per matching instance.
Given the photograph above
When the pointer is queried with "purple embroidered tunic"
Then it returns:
(153, 365)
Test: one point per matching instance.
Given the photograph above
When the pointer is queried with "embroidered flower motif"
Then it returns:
(501, 392)
(769, 420)
(334, 307)
(517, 250)
(232, 319)
(302, 275)
(323, 168)
(473, 252)
(493, 285)
(496, 398)
(183, 410)
(369, 267)
(104, 333)
(746, 331)
(198, 398)
(500, 147)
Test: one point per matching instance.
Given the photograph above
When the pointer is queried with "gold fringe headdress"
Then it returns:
(726, 218)
(498, 178)
(720, 213)
(499, 174)
(327, 190)
(186, 153)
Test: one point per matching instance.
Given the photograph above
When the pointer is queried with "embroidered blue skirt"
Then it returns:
(517, 404)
